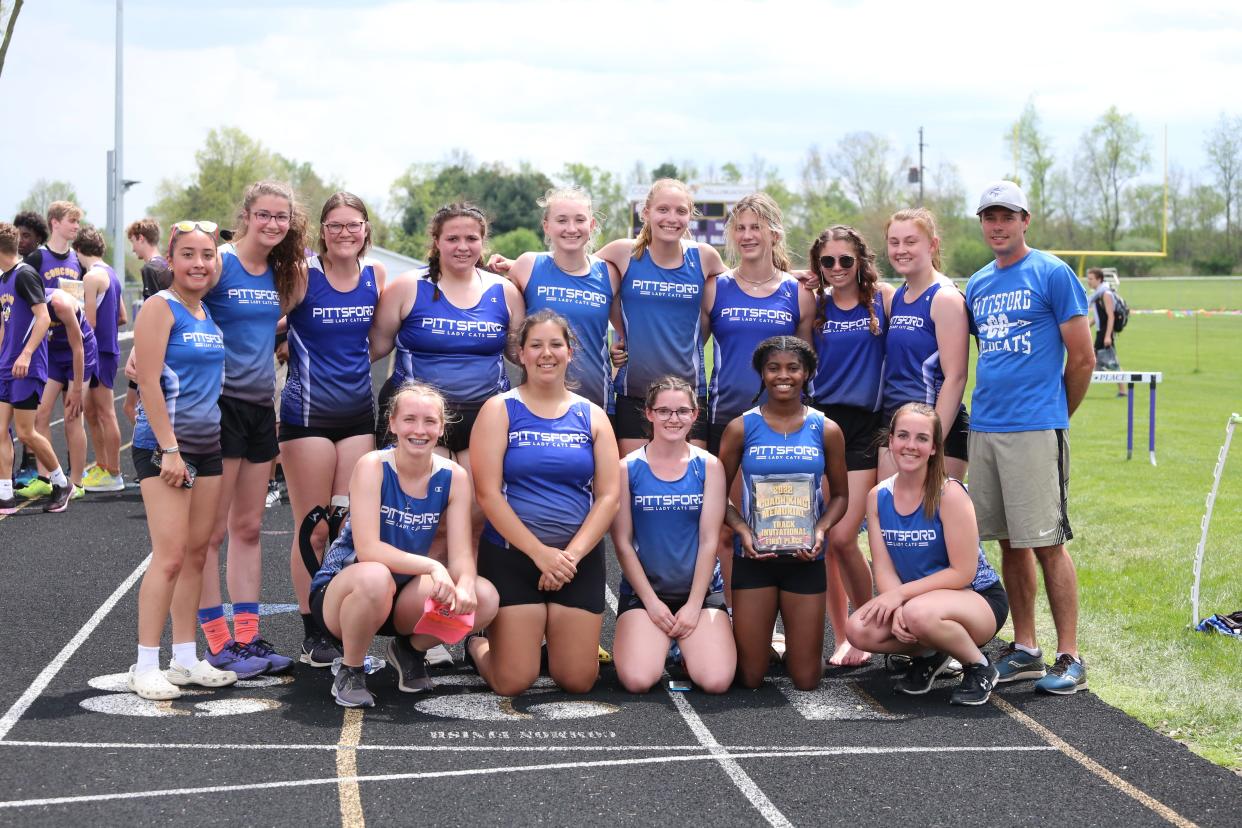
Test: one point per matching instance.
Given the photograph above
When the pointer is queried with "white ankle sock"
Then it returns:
(148, 659)
(186, 654)
(57, 477)
(6, 489)
(1035, 651)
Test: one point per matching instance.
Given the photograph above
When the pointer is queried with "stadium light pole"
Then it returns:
(118, 175)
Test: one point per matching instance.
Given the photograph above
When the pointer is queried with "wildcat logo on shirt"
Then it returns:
(998, 332)
(401, 519)
(6, 307)
(527, 437)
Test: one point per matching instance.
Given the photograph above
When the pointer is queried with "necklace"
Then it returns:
(184, 303)
(784, 433)
(586, 263)
(752, 282)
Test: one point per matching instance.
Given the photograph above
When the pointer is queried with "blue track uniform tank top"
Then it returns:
(458, 350)
(739, 323)
(912, 357)
(191, 380)
(765, 451)
(246, 307)
(549, 469)
(406, 522)
(329, 383)
(661, 324)
(20, 290)
(58, 350)
(665, 517)
(916, 544)
(851, 358)
(106, 305)
(584, 301)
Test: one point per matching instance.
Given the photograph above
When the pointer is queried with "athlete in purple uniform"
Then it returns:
(104, 309)
(71, 361)
(144, 241)
(24, 321)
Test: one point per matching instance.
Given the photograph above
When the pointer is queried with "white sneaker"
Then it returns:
(439, 656)
(273, 494)
(203, 674)
(151, 684)
(104, 482)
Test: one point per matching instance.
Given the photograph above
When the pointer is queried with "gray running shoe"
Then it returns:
(349, 688)
(1015, 665)
(921, 674)
(411, 666)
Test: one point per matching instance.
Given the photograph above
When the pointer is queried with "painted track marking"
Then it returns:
(347, 769)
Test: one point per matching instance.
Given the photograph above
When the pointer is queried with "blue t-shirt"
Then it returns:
(246, 307)
(665, 516)
(660, 316)
(765, 452)
(191, 379)
(549, 471)
(916, 544)
(584, 301)
(851, 357)
(739, 323)
(406, 522)
(1016, 314)
(329, 382)
(460, 351)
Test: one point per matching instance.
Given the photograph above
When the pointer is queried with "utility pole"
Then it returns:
(117, 184)
(921, 170)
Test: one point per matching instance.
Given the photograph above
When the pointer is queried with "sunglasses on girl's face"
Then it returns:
(829, 262)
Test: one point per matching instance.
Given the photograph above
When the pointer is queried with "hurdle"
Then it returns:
(1234, 419)
(1151, 378)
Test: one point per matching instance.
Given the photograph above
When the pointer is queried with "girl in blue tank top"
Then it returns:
(783, 437)
(665, 535)
(850, 325)
(938, 596)
(546, 475)
(450, 323)
(179, 357)
(259, 273)
(927, 346)
(327, 412)
(575, 284)
(399, 497)
(756, 300)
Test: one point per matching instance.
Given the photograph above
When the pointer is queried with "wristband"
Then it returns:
(171, 450)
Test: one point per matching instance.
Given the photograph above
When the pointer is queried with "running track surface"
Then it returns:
(75, 748)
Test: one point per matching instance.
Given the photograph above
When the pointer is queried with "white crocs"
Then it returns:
(151, 684)
(203, 674)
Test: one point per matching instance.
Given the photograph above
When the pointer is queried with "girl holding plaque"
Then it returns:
(665, 534)
(794, 488)
(939, 598)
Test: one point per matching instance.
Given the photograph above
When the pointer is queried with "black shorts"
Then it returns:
(713, 600)
(248, 430)
(998, 600)
(786, 574)
(289, 431)
(955, 439)
(861, 429)
(630, 421)
(517, 578)
(210, 464)
(456, 432)
(388, 628)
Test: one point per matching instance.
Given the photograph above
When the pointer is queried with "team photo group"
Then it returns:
(535, 407)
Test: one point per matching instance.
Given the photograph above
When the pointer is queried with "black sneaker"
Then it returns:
(465, 645)
(921, 674)
(977, 683)
(8, 505)
(349, 688)
(410, 664)
(60, 499)
(319, 650)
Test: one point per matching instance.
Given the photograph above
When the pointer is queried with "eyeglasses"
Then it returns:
(829, 262)
(208, 227)
(263, 217)
(665, 413)
(351, 227)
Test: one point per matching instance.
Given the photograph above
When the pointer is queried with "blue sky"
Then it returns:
(363, 89)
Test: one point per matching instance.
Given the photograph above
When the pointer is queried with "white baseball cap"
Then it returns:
(1003, 194)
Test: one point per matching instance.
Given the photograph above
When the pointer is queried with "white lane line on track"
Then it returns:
(749, 788)
(774, 749)
(49, 672)
(400, 777)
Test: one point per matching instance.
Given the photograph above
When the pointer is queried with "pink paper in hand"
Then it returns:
(440, 622)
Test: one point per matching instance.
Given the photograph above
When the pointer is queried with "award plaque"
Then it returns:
(783, 512)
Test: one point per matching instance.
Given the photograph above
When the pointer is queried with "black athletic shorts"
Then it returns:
(998, 600)
(787, 574)
(630, 421)
(861, 429)
(517, 578)
(248, 430)
(364, 425)
(713, 600)
(456, 432)
(316, 607)
(205, 465)
(955, 439)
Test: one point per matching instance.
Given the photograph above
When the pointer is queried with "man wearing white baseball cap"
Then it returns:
(1029, 316)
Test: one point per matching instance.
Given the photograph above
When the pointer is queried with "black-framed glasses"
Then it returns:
(263, 217)
(352, 227)
(684, 413)
(829, 262)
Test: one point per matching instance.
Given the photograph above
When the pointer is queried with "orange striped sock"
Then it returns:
(215, 628)
(246, 621)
